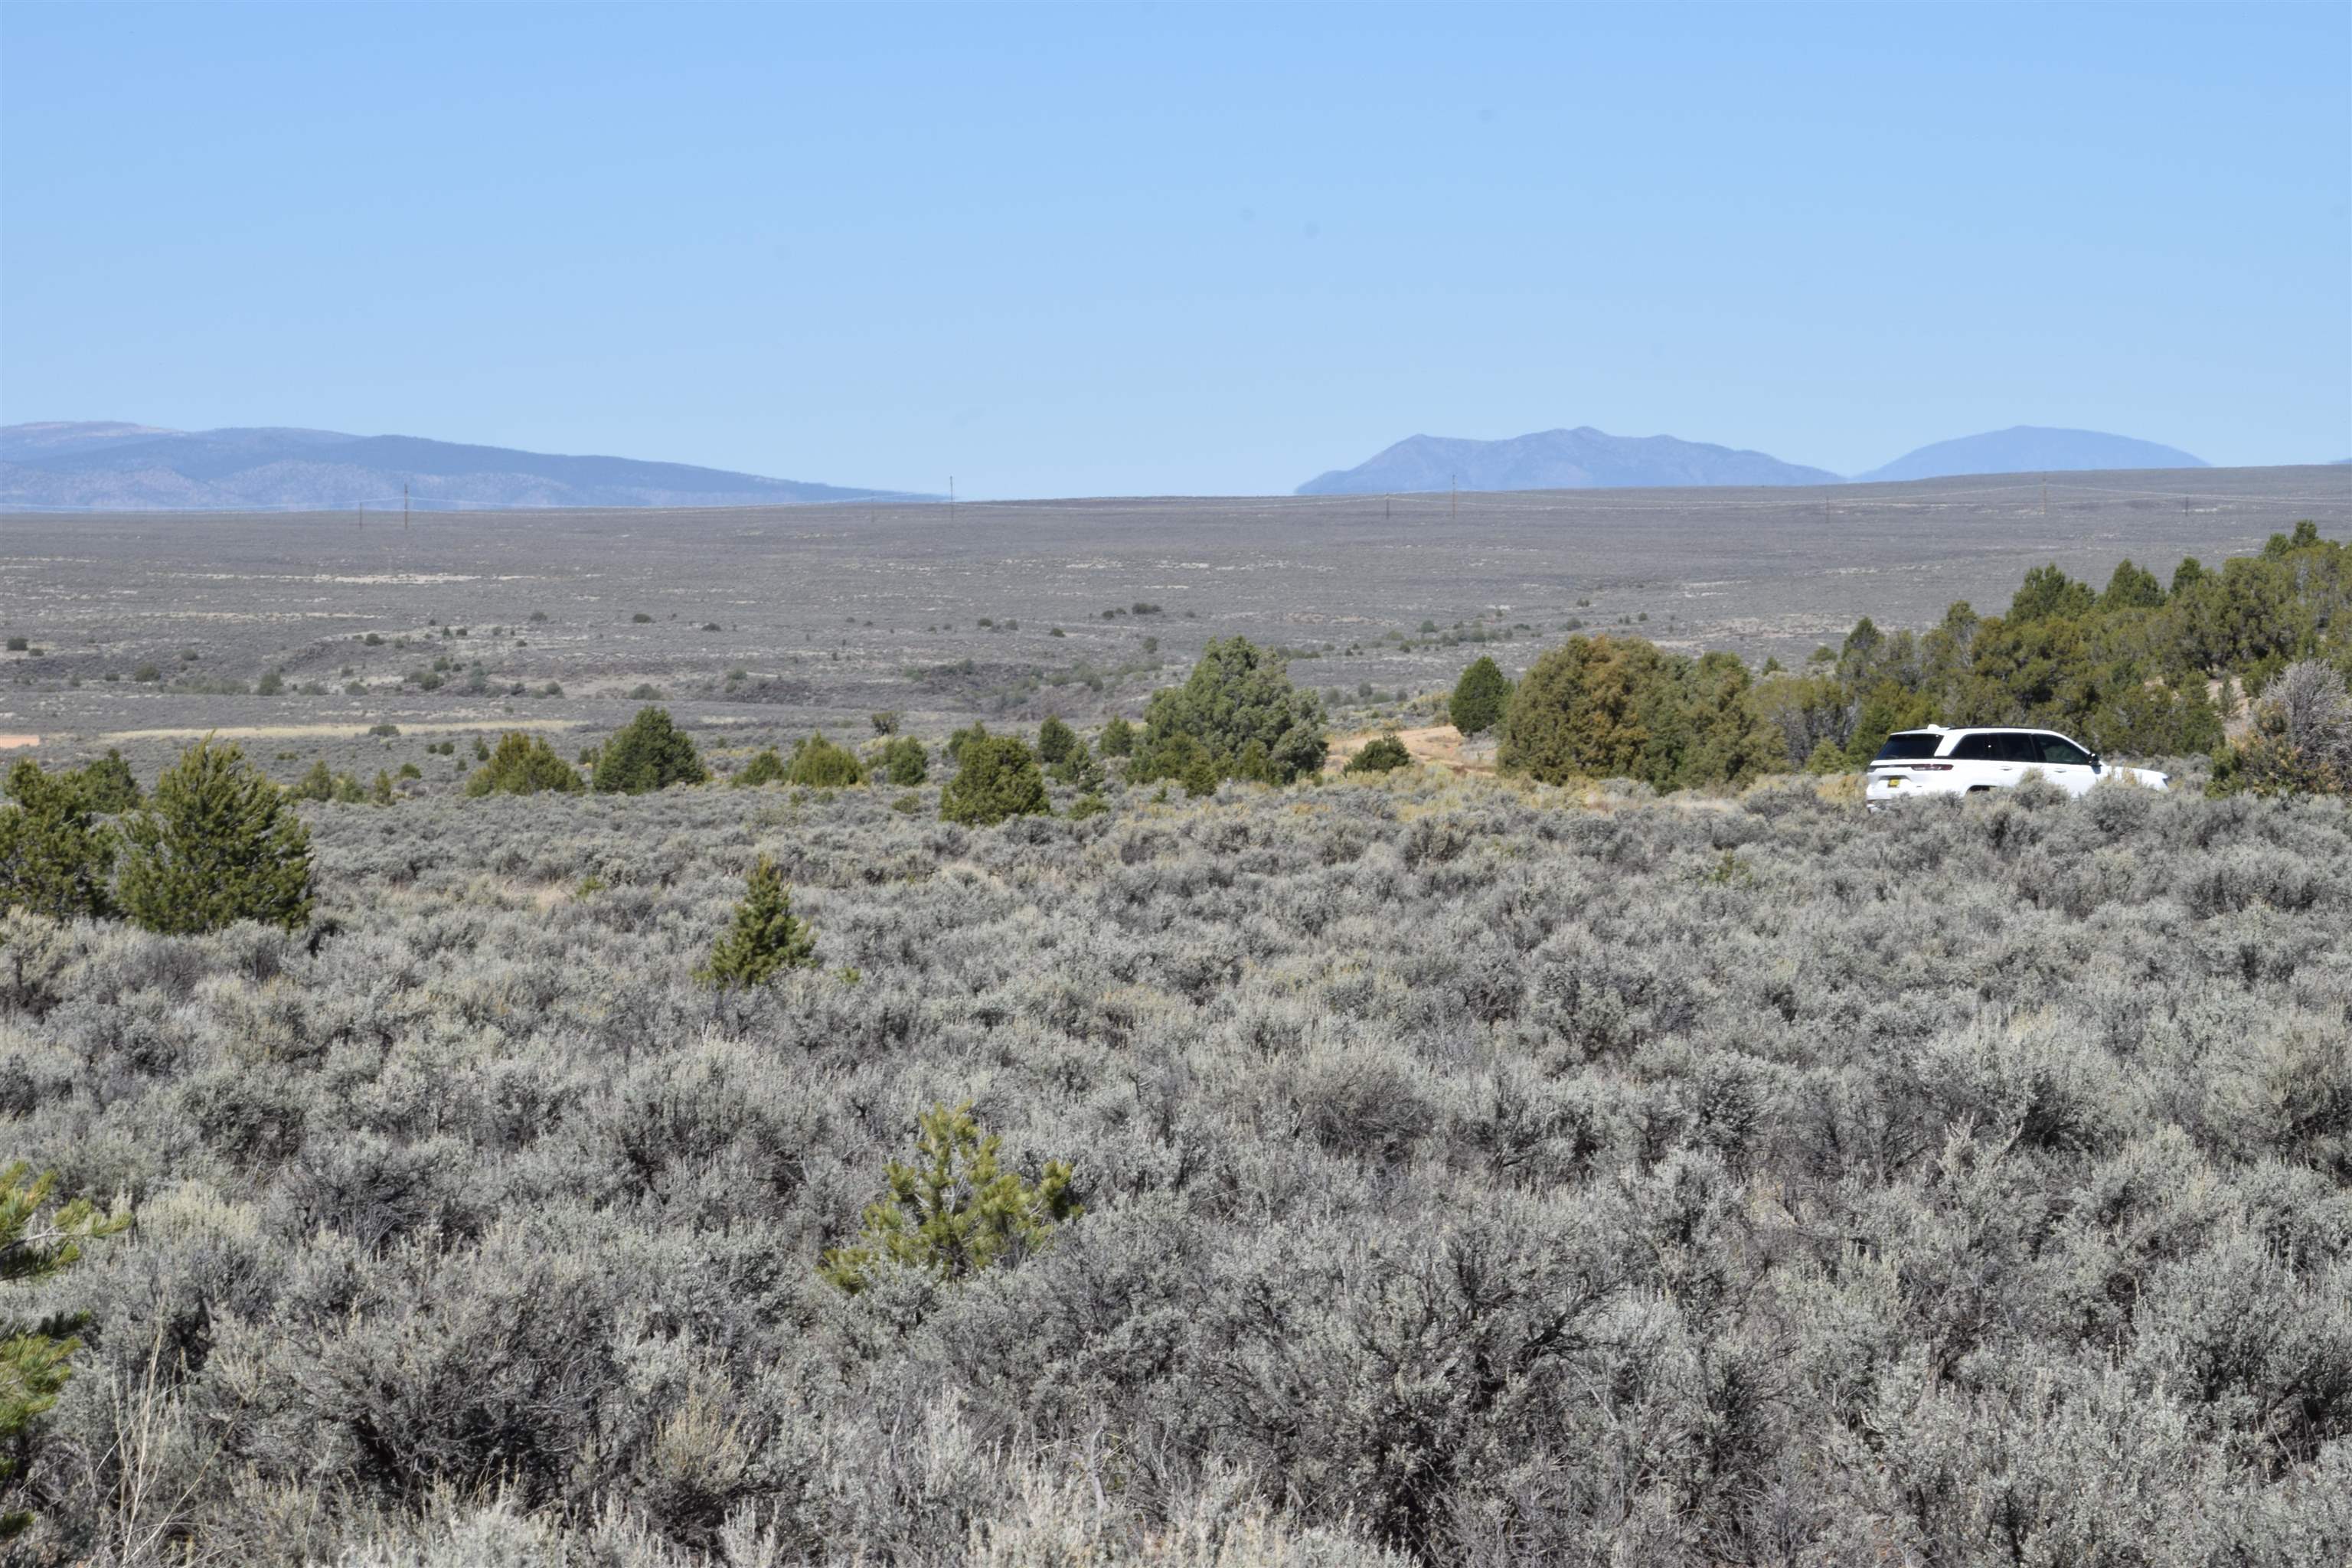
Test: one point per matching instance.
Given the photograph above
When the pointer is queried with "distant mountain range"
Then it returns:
(108, 466)
(2031, 449)
(1582, 459)
(1586, 458)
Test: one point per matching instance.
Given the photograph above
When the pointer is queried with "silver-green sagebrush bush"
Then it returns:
(1470, 1177)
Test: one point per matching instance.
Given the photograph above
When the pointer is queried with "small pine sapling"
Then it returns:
(765, 938)
(34, 1356)
(956, 1210)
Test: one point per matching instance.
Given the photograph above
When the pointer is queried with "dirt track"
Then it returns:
(302, 731)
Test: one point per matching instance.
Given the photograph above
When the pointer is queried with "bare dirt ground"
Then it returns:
(315, 732)
(1436, 745)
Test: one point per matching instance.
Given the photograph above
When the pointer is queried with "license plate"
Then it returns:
(1893, 783)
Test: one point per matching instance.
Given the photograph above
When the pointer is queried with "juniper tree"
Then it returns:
(766, 768)
(1236, 693)
(107, 785)
(318, 785)
(1623, 708)
(959, 739)
(996, 778)
(819, 764)
(54, 855)
(522, 765)
(649, 753)
(903, 761)
(765, 938)
(1479, 697)
(1118, 739)
(1056, 741)
(1079, 770)
(956, 1210)
(34, 1356)
(216, 843)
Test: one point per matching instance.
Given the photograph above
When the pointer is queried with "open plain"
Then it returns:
(1465, 1172)
(831, 612)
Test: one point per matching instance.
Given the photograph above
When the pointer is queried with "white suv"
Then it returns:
(1937, 761)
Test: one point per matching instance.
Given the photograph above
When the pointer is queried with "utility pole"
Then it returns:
(403, 506)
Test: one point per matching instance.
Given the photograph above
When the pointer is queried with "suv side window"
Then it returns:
(2019, 747)
(2060, 752)
(1979, 749)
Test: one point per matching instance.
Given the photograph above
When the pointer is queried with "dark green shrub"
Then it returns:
(107, 785)
(319, 784)
(885, 723)
(523, 764)
(1079, 770)
(959, 739)
(904, 762)
(216, 843)
(1384, 754)
(766, 768)
(956, 1210)
(1235, 694)
(270, 684)
(765, 938)
(1479, 698)
(1118, 739)
(820, 764)
(1056, 741)
(146, 672)
(996, 778)
(1623, 708)
(55, 855)
(649, 753)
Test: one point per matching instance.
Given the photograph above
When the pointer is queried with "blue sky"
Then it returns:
(1103, 250)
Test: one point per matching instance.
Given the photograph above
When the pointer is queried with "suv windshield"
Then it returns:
(1907, 748)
